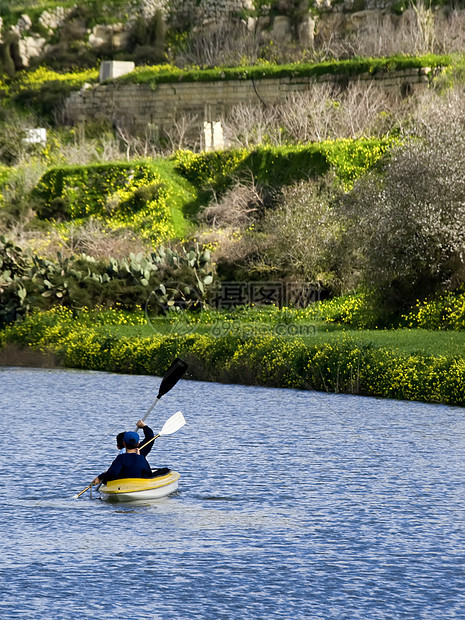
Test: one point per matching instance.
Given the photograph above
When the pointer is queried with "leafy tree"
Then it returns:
(405, 222)
(301, 233)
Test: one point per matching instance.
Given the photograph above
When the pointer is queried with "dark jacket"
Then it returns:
(130, 465)
(148, 434)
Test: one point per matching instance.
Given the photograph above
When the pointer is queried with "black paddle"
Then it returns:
(171, 377)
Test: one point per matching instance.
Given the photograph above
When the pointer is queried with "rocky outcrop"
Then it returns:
(30, 47)
(278, 22)
(115, 36)
(52, 19)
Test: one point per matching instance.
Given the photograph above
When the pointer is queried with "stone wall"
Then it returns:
(140, 107)
(208, 10)
(45, 36)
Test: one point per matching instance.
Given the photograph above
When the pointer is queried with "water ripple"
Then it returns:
(291, 504)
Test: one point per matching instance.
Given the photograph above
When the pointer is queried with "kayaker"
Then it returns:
(131, 464)
(148, 434)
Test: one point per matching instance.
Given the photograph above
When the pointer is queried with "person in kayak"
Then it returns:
(148, 434)
(128, 465)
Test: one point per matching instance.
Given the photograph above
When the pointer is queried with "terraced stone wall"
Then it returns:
(139, 107)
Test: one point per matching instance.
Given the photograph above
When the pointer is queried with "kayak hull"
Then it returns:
(136, 489)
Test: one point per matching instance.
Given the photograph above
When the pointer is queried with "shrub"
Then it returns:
(88, 340)
(405, 221)
(300, 235)
(44, 89)
(444, 312)
(277, 166)
(133, 195)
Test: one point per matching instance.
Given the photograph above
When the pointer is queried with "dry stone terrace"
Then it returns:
(138, 107)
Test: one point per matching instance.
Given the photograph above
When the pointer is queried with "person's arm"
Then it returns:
(112, 472)
(147, 471)
(148, 434)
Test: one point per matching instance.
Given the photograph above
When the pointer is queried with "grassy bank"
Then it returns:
(351, 67)
(260, 350)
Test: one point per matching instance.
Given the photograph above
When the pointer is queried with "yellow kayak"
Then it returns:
(131, 489)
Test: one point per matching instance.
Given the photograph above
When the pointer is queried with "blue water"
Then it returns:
(291, 504)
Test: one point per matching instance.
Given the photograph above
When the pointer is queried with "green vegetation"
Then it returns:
(282, 165)
(29, 282)
(97, 340)
(143, 196)
(351, 67)
(43, 89)
(442, 313)
(445, 312)
(160, 199)
(379, 213)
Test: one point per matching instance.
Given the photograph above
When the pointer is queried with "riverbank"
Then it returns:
(288, 355)
(15, 355)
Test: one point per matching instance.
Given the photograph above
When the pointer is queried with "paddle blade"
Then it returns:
(172, 425)
(172, 376)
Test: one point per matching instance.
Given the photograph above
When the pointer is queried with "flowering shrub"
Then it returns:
(212, 169)
(90, 340)
(122, 195)
(352, 158)
(444, 312)
(282, 165)
(44, 88)
(41, 75)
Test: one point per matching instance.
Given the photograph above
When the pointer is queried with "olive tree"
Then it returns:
(405, 221)
(300, 233)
